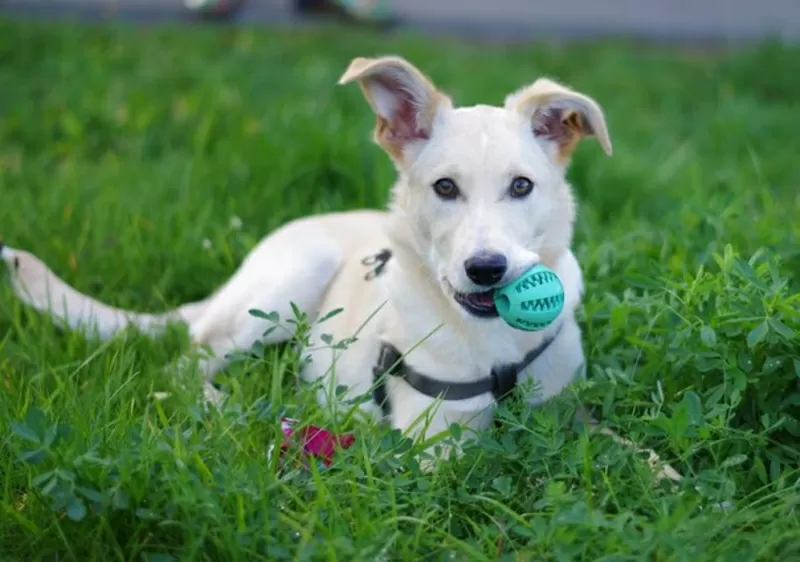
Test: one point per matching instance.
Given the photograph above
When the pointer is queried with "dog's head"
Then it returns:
(482, 189)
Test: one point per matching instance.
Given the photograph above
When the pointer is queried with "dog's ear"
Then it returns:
(560, 115)
(405, 102)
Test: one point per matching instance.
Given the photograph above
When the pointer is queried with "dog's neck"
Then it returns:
(422, 319)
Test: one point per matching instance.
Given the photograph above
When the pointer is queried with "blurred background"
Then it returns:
(714, 20)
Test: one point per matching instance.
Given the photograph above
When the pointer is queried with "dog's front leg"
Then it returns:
(421, 418)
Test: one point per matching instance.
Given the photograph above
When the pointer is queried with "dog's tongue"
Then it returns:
(483, 299)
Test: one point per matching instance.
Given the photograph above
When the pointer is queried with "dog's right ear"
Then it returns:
(405, 102)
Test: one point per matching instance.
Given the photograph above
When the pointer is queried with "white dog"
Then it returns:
(481, 196)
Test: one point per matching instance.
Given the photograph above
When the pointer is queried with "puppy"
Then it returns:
(480, 197)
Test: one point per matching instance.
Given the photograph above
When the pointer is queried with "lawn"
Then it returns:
(142, 164)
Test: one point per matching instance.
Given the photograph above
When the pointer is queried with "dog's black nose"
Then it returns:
(486, 268)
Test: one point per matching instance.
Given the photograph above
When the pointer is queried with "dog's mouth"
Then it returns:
(477, 304)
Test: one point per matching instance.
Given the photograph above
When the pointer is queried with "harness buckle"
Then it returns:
(504, 380)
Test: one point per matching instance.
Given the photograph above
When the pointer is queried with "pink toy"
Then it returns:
(317, 442)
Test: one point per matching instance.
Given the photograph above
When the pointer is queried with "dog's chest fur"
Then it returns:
(384, 298)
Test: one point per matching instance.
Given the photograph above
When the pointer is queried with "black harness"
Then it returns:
(500, 383)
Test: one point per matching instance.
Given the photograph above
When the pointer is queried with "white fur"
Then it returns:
(316, 262)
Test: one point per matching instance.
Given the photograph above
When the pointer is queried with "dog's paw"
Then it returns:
(428, 465)
(213, 398)
(435, 455)
(190, 365)
(180, 366)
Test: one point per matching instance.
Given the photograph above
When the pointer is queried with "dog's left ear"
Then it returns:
(405, 102)
(560, 115)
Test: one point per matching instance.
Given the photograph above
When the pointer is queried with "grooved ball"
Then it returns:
(533, 301)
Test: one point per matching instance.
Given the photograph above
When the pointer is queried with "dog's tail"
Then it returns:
(36, 285)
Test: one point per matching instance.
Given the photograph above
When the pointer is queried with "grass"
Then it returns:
(128, 158)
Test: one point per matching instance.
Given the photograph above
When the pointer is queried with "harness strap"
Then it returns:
(501, 381)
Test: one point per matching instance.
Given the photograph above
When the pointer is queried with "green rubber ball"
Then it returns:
(533, 301)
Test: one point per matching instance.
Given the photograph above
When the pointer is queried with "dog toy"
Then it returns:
(533, 301)
(315, 441)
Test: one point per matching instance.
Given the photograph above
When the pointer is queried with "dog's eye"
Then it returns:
(446, 188)
(520, 187)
